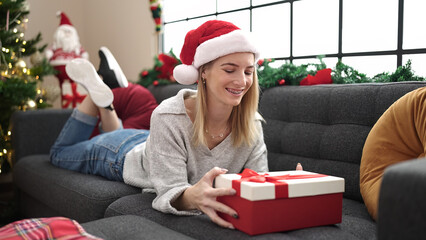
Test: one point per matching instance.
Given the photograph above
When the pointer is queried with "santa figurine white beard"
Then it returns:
(66, 47)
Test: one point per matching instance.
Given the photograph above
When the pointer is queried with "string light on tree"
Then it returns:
(19, 83)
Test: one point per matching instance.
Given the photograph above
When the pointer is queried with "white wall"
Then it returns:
(125, 27)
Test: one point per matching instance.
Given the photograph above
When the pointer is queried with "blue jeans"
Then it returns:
(101, 155)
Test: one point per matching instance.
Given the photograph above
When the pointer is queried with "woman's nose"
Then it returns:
(241, 79)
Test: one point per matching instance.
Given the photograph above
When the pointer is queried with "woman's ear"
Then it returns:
(203, 72)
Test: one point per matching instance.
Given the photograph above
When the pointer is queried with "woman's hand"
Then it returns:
(299, 167)
(202, 196)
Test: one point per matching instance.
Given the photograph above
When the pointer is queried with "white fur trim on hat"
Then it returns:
(233, 42)
(185, 74)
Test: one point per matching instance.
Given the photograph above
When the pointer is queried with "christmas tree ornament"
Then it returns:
(51, 93)
(36, 58)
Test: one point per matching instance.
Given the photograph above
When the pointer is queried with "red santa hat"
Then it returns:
(64, 18)
(211, 40)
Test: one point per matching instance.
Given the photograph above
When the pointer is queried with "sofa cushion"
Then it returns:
(324, 127)
(130, 227)
(81, 197)
(356, 223)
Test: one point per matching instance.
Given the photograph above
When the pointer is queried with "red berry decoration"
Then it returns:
(281, 82)
(155, 83)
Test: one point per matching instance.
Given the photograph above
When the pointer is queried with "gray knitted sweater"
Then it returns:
(169, 163)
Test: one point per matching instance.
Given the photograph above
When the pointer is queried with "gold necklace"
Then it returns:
(221, 135)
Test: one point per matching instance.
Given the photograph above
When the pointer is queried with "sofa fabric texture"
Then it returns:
(324, 127)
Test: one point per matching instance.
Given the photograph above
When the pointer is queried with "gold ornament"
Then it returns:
(51, 93)
(36, 58)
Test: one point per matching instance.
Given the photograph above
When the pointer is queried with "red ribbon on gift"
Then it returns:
(281, 188)
(73, 98)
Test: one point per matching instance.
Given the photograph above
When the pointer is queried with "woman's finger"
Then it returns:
(218, 192)
(220, 207)
(213, 173)
(299, 167)
(216, 219)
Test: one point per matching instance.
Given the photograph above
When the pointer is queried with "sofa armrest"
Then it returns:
(34, 132)
(402, 201)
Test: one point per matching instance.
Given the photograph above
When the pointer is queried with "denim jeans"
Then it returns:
(102, 155)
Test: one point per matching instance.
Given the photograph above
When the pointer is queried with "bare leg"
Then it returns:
(109, 119)
(88, 107)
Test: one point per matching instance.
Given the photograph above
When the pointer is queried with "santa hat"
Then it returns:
(64, 18)
(211, 40)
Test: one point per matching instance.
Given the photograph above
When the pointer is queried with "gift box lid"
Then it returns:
(282, 184)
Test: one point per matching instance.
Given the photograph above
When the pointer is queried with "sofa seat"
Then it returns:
(67, 190)
(356, 222)
(130, 227)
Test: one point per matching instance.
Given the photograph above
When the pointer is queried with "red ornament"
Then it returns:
(281, 82)
(155, 83)
(145, 73)
(260, 62)
(321, 77)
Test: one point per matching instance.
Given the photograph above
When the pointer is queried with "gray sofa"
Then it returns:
(323, 127)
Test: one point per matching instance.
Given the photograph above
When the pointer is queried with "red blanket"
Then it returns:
(45, 228)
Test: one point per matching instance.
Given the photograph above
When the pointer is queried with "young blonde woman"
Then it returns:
(194, 136)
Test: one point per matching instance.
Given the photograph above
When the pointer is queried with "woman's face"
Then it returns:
(228, 78)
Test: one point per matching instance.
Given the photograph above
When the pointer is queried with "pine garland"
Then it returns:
(162, 71)
(290, 74)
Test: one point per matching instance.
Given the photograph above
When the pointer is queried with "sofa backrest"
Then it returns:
(161, 93)
(34, 132)
(324, 127)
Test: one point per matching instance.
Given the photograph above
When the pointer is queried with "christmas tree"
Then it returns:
(19, 82)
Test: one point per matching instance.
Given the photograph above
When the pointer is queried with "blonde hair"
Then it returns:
(243, 116)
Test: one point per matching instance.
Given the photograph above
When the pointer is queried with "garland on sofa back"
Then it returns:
(286, 74)
(311, 74)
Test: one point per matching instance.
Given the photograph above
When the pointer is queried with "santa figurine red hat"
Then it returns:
(211, 40)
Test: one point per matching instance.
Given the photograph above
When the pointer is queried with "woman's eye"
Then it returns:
(248, 73)
(228, 71)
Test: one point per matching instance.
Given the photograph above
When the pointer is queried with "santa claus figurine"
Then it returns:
(66, 47)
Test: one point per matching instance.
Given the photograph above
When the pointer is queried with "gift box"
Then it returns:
(282, 201)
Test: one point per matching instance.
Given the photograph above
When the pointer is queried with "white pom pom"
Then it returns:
(185, 74)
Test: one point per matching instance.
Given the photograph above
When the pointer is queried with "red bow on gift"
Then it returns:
(281, 188)
(73, 98)
(253, 176)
